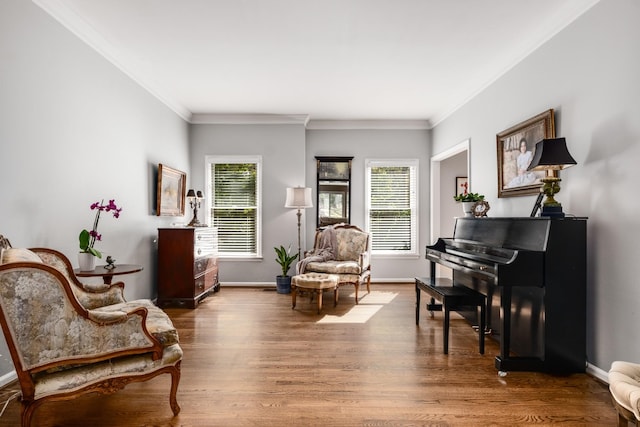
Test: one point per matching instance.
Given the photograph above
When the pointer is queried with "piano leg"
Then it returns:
(417, 304)
(505, 362)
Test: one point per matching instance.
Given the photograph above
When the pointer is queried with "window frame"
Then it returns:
(257, 160)
(413, 164)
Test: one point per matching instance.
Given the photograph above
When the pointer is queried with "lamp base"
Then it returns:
(552, 211)
(195, 223)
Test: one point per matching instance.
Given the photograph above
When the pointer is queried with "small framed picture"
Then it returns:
(171, 190)
(462, 185)
(516, 147)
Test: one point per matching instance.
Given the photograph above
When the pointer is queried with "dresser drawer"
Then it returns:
(206, 281)
(204, 264)
(206, 242)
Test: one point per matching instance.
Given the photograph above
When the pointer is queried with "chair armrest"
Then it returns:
(102, 296)
(364, 261)
(58, 331)
(105, 317)
(90, 295)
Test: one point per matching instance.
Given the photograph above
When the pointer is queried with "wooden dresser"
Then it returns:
(187, 265)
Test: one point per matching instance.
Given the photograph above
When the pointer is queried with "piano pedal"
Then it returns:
(487, 331)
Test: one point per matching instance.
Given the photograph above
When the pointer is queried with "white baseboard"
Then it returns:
(8, 378)
(598, 373)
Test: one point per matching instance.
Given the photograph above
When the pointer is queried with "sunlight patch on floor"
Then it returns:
(368, 306)
(358, 314)
(378, 297)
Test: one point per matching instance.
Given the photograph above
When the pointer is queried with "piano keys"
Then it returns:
(533, 273)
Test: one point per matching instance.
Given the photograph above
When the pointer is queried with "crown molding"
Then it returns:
(249, 119)
(73, 22)
(369, 124)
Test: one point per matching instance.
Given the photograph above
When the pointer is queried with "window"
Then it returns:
(235, 204)
(391, 203)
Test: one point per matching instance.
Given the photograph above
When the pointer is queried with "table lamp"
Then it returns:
(194, 202)
(551, 155)
(298, 198)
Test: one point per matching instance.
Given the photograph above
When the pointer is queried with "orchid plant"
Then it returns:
(88, 238)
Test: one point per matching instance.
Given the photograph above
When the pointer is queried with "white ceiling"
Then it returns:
(321, 59)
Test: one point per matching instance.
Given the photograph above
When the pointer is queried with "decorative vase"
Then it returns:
(283, 284)
(86, 261)
(467, 208)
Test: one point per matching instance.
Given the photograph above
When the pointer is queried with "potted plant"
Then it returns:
(285, 259)
(468, 200)
(88, 254)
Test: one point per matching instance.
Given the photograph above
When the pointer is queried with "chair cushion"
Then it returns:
(77, 377)
(19, 255)
(624, 385)
(315, 281)
(334, 267)
(158, 322)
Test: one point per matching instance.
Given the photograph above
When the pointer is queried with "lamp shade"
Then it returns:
(551, 154)
(191, 193)
(298, 197)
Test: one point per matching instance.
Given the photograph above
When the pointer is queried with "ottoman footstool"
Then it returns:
(315, 283)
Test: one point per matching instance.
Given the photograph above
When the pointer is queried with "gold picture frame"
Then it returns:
(171, 191)
(516, 147)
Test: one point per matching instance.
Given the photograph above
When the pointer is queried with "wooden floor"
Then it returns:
(250, 360)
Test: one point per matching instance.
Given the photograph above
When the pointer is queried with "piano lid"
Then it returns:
(522, 233)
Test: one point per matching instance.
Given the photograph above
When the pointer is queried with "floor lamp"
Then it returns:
(298, 198)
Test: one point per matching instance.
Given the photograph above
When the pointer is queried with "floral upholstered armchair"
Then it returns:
(343, 250)
(61, 349)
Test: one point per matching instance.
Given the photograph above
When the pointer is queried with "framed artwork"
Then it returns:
(516, 146)
(462, 185)
(171, 190)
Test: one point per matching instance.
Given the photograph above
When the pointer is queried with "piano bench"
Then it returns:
(453, 298)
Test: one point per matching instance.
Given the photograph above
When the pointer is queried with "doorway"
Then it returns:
(446, 167)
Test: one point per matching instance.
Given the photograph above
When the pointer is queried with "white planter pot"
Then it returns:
(467, 207)
(86, 261)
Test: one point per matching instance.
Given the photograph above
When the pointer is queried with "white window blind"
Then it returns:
(235, 205)
(392, 206)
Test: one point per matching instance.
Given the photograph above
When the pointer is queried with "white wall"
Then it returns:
(74, 130)
(589, 73)
(282, 150)
(375, 144)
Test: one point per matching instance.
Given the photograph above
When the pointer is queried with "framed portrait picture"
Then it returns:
(515, 147)
(462, 185)
(172, 185)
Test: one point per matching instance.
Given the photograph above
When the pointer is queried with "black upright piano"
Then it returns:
(533, 272)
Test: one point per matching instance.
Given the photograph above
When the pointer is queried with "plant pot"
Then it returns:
(283, 284)
(467, 208)
(86, 261)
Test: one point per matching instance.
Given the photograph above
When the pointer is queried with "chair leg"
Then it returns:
(175, 380)
(294, 292)
(356, 286)
(319, 300)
